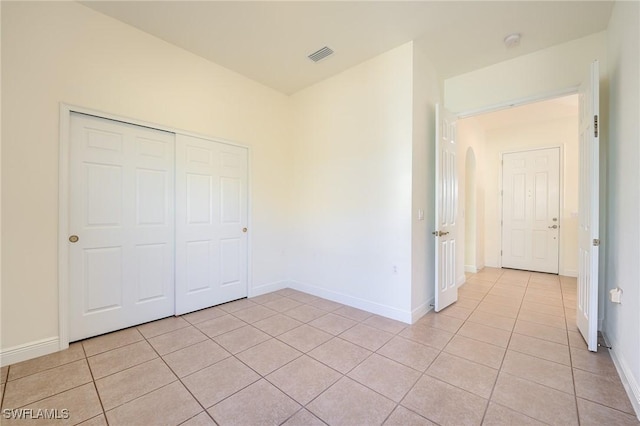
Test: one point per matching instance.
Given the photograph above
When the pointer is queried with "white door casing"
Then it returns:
(121, 208)
(211, 223)
(588, 208)
(530, 210)
(446, 207)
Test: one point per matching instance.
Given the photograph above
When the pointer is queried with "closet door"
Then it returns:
(121, 242)
(211, 223)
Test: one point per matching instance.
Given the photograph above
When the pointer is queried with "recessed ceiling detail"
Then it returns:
(320, 54)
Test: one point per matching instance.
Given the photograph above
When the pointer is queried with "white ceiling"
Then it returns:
(269, 41)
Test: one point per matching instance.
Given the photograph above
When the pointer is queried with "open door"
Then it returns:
(589, 200)
(446, 209)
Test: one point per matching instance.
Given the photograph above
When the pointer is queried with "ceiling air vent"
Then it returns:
(320, 54)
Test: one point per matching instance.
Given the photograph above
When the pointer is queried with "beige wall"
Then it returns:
(65, 52)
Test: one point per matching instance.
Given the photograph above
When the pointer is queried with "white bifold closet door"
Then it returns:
(122, 221)
(211, 223)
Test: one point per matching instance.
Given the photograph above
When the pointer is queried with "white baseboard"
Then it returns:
(355, 302)
(461, 279)
(629, 382)
(267, 288)
(569, 273)
(28, 351)
(421, 310)
(471, 268)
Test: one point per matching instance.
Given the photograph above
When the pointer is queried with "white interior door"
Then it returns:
(121, 248)
(588, 205)
(446, 209)
(211, 223)
(530, 210)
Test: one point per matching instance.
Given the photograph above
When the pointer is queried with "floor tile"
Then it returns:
(409, 353)
(172, 341)
(303, 418)
(156, 328)
(340, 354)
(539, 318)
(592, 414)
(229, 376)
(385, 376)
(540, 348)
(236, 305)
(304, 379)
(81, 403)
(243, 338)
(404, 417)
(305, 337)
(492, 320)
(277, 324)
(537, 401)
(552, 301)
(367, 337)
(456, 312)
(474, 350)
(465, 374)
(576, 340)
(95, 421)
(134, 382)
(605, 390)
(486, 334)
(195, 357)
(467, 303)
(261, 403)
(349, 403)
(4, 373)
(385, 324)
(36, 365)
(268, 356)
(326, 305)
(107, 363)
(169, 405)
(442, 322)
(541, 331)
(303, 297)
(305, 313)
(497, 415)
(204, 315)
(353, 313)
(254, 314)
(595, 362)
(542, 308)
(510, 311)
(23, 391)
(202, 419)
(282, 305)
(110, 341)
(265, 298)
(430, 336)
(537, 370)
(333, 324)
(471, 294)
(444, 404)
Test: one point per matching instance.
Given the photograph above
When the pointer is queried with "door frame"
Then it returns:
(64, 143)
(561, 192)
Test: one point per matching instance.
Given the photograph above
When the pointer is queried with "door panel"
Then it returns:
(588, 209)
(530, 210)
(211, 247)
(446, 210)
(121, 209)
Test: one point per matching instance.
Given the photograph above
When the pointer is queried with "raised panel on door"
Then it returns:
(121, 209)
(211, 247)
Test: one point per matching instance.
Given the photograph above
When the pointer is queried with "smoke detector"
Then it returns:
(320, 54)
(512, 40)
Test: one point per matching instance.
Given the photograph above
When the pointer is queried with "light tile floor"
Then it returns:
(507, 353)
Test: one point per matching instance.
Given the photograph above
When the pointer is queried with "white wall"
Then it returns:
(65, 52)
(560, 132)
(352, 178)
(622, 322)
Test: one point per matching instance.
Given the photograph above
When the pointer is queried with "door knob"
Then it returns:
(73, 238)
(439, 233)
(244, 229)
(553, 227)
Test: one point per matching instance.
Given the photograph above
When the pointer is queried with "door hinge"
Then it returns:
(500, 252)
(596, 242)
(595, 126)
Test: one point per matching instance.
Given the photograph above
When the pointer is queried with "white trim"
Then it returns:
(267, 288)
(355, 302)
(631, 386)
(519, 102)
(29, 350)
(471, 268)
(422, 310)
(62, 341)
(461, 280)
(569, 273)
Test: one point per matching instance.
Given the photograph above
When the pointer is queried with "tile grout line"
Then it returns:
(573, 377)
(95, 386)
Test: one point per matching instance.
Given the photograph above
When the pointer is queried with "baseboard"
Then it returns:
(461, 279)
(268, 288)
(569, 273)
(354, 302)
(631, 385)
(29, 350)
(421, 310)
(471, 268)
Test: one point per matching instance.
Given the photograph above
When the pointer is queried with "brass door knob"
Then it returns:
(553, 227)
(73, 239)
(244, 229)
